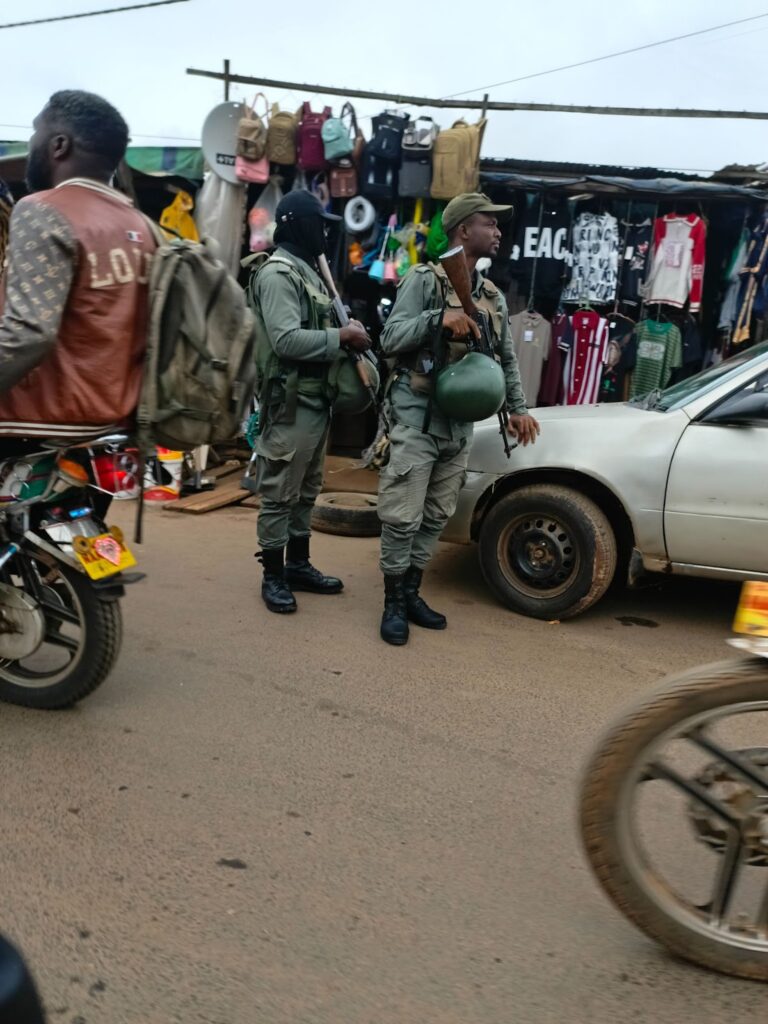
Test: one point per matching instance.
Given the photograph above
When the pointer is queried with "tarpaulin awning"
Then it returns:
(653, 187)
(161, 161)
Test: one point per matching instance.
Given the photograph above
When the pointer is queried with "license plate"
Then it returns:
(752, 613)
(103, 556)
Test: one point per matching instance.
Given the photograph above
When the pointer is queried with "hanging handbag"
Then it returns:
(252, 172)
(343, 180)
(252, 131)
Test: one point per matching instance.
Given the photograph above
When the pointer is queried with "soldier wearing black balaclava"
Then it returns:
(299, 343)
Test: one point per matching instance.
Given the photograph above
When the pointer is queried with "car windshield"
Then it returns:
(700, 384)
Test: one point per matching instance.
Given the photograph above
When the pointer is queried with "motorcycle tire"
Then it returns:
(605, 796)
(102, 631)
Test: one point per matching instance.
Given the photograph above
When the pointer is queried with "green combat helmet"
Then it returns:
(471, 389)
(343, 380)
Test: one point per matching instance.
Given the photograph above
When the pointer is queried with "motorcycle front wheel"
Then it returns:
(82, 634)
(674, 816)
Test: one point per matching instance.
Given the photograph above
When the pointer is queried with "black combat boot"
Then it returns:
(302, 575)
(417, 608)
(274, 588)
(394, 621)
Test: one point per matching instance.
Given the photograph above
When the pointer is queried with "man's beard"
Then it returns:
(38, 171)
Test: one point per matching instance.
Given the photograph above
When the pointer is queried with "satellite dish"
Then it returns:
(219, 140)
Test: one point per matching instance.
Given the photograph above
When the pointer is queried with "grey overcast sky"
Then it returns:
(138, 60)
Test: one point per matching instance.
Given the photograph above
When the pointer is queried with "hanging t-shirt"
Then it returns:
(532, 341)
(585, 358)
(619, 358)
(551, 390)
(595, 259)
(546, 247)
(659, 352)
(637, 248)
(677, 266)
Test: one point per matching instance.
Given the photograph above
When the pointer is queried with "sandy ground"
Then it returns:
(282, 820)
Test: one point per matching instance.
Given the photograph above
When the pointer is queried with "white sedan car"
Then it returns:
(676, 482)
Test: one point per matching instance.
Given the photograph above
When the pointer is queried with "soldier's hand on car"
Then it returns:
(525, 428)
(459, 325)
(354, 336)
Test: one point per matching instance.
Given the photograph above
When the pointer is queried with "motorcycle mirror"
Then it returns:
(19, 1001)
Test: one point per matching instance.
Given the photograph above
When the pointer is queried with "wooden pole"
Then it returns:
(484, 105)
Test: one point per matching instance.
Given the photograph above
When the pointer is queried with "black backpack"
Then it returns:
(387, 138)
(377, 178)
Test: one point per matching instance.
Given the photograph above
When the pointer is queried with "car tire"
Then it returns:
(547, 551)
(350, 514)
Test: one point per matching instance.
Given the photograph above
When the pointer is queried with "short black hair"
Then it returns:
(95, 125)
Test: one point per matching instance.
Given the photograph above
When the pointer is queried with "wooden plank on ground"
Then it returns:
(252, 501)
(228, 492)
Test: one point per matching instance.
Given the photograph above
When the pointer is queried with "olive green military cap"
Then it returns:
(468, 204)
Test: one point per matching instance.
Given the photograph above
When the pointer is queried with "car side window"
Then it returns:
(748, 406)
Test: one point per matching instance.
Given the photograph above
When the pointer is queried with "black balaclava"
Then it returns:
(303, 236)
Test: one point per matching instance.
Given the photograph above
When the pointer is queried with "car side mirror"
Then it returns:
(746, 409)
(19, 1001)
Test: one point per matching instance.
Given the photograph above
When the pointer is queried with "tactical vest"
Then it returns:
(418, 361)
(280, 382)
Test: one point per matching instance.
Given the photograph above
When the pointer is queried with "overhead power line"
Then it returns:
(92, 14)
(608, 56)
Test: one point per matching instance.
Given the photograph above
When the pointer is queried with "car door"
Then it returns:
(716, 508)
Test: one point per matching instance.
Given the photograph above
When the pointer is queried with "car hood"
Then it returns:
(585, 437)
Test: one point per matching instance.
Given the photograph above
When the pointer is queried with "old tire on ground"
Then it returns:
(547, 551)
(348, 514)
(605, 808)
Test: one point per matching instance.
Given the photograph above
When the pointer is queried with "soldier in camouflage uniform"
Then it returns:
(419, 487)
(298, 345)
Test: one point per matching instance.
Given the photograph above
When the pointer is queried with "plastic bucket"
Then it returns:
(166, 484)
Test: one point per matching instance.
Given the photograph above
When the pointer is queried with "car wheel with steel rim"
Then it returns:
(674, 816)
(547, 551)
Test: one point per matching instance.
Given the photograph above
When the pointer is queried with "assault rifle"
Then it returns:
(343, 318)
(455, 265)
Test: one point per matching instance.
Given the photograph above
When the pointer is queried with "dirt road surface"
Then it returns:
(266, 820)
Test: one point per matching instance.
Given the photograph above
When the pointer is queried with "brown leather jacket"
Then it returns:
(74, 324)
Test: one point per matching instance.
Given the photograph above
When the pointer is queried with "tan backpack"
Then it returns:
(456, 160)
(252, 131)
(281, 137)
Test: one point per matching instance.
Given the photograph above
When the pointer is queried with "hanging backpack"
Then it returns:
(456, 160)
(199, 372)
(252, 131)
(310, 151)
(377, 178)
(416, 167)
(343, 180)
(338, 138)
(281, 137)
(387, 139)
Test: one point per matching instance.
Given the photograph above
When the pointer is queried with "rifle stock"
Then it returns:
(343, 318)
(454, 264)
(457, 271)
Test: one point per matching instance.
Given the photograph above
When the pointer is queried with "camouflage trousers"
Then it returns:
(289, 476)
(418, 491)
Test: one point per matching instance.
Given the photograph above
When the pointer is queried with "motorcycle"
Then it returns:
(674, 806)
(62, 574)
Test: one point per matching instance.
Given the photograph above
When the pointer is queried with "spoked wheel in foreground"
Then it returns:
(69, 639)
(674, 816)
